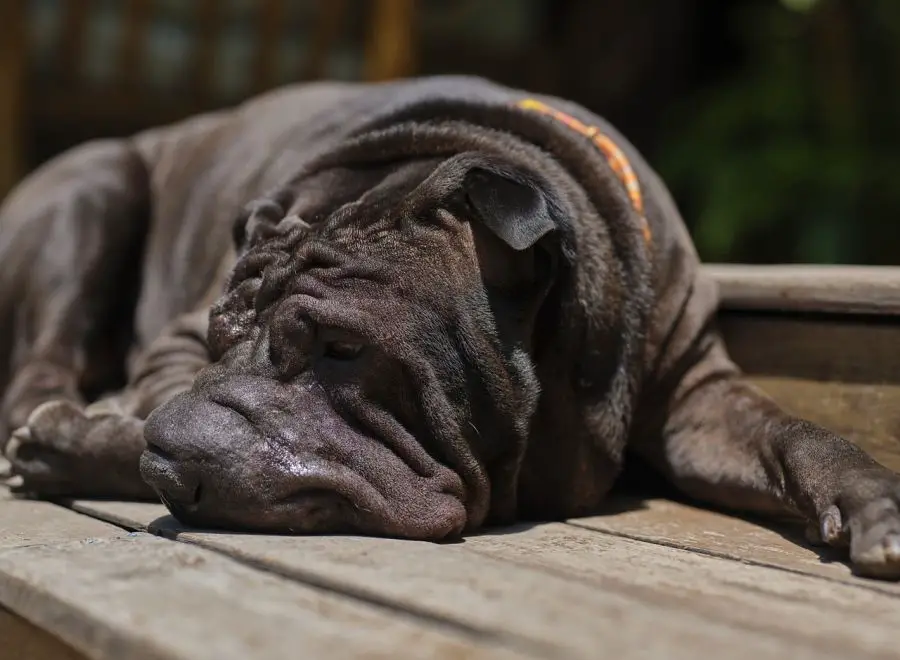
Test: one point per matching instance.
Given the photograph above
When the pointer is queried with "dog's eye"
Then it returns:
(342, 350)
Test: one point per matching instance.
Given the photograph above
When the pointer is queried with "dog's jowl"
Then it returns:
(410, 309)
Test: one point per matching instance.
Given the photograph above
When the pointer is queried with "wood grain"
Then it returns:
(30, 642)
(117, 595)
(632, 599)
(797, 288)
(26, 523)
(867, 414)
(813, 613)
(840, 372)
(824, 348)
(709, 532)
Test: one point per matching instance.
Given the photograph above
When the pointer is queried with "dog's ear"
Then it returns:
(517, 227)
(520, 234)
(515, 210)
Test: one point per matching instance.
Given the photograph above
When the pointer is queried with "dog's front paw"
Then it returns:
(63, 450)
(866, 516)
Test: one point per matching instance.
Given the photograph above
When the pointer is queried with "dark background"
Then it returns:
(776, 123)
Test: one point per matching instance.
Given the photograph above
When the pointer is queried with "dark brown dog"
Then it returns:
(446, 307)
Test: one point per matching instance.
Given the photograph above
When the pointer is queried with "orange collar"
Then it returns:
(614, 156)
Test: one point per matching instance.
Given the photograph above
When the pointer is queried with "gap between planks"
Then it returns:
(577, 570)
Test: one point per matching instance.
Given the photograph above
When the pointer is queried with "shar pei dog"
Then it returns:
(408, 309)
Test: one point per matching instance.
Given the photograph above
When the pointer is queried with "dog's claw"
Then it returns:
(831, 527)
(19, 437)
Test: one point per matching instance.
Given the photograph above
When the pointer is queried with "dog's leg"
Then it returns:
(65, 450)
(71, 237)
(726, 443)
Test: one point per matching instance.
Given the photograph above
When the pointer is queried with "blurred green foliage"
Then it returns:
(796, 157)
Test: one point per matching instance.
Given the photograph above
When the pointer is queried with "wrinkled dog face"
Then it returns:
(371, 369)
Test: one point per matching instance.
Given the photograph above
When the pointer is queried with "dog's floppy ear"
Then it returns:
(515, 210)
(521, 235)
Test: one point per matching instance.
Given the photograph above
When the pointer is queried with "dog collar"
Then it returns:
(614, 156)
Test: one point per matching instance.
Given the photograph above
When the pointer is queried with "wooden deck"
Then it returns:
(647, 579)
(651, 579)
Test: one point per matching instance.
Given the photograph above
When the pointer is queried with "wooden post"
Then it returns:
(390, 47)
(12, 91)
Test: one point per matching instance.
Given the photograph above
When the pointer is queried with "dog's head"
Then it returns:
(373, 361)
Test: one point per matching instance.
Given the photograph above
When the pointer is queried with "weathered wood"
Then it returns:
(825, 348)
(25, 523)
(840, 372)
(708, 532)
(812, 613)
(24, 640)
(869, 415)
(113, 594)
(632, 599)
(796, 288)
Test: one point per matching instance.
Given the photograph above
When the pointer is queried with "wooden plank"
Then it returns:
(841, 373)
(678, 525)
(835, 618)
(488, 582)
(132, 595)
(31, 642)
(26, 523)
(867, 414)
(824, 348)
(841, 289)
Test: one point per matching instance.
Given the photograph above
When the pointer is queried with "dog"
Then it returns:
(409, 309)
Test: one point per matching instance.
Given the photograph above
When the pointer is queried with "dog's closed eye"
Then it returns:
(342, 350)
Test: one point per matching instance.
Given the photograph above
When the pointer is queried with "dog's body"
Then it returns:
(440, 307)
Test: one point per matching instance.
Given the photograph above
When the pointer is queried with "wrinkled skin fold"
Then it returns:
(411, 309)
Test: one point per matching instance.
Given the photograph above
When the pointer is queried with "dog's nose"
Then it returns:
(177, 484)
